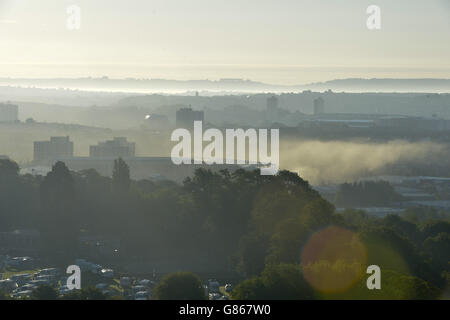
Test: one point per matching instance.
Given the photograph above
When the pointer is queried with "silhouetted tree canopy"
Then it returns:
(241, 223)
(180, 286)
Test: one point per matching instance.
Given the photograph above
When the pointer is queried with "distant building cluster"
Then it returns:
(118, 147)
(62, 148)
(102, 156)
(9, 112)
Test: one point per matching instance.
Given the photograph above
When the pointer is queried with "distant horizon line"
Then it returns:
(226, 79)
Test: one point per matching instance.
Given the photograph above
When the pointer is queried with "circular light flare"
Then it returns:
(333, 260)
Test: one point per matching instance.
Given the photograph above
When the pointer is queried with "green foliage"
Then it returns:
(424, 214)
(18, 195)
(390, 251)
(58, 222)
(8, 169)
(355, 219)
(403, 228)
(44, 292)
(433, 228)
(252, 254)
(365, 194)
(4, 296)
(286, 242)
(180, 286)
(218, 221)
(121, 176)
(394, 286)
(438, 249)
(277, 282)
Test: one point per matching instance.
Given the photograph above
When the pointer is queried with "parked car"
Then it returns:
(125, 281)
(213, 286)
(141, 295)
(49, 272)
(8, 285)
(107, 273)
(144, 282)
(136, 289)
(101, 286)
(22, 294)
(40, 282)
(28, 286)
(21, 279)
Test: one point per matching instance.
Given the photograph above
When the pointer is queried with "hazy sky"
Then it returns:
(276, 41)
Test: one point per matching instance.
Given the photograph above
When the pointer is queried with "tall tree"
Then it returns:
(59, 223)
(121, 176)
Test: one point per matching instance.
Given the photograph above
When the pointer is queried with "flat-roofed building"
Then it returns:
(57, 147)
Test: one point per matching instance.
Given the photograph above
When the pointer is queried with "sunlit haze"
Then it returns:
(282, 42)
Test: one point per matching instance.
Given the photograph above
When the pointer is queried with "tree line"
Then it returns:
(258, 227)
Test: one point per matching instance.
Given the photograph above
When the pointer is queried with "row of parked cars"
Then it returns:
(22, 285)
(136, 289)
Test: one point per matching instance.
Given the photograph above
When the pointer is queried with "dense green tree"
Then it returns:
(366, 194)
(59, 223)
(391, 251)
(18, 197)
(438, 249)
(44, 292)
(419, 215)
(8, 169)
(433, 228)
(394, 286)
(180, 286)
(121, 176)
(4, 296)
(403, 228)
(252, 254)
(287, 241)
(354, 218)
(277, 282)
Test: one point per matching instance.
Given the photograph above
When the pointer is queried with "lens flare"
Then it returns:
(333, 260)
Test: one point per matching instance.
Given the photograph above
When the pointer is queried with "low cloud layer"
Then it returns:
(338, 161)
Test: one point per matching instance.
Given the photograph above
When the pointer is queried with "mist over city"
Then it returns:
(103, 195)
